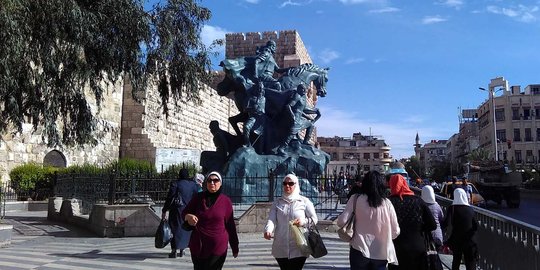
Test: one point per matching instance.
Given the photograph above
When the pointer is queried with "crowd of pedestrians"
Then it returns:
(391, 225)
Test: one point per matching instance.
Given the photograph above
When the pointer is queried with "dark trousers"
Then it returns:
(212, 263)
(291, 264)
(359, 262)
(469, 251)
(410, 261)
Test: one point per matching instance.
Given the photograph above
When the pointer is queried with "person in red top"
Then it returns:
(210, 216)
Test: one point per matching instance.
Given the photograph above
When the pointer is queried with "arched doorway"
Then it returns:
(55, 158)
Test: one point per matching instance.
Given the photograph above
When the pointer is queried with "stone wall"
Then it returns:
(28, 146)
(145, 128)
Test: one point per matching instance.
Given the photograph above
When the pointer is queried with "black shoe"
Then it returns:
(172, 254)
(181, 253)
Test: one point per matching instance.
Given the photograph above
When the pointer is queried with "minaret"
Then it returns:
(417, 146)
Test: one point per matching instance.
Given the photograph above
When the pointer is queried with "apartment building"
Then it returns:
(516, 125)
(356, 155)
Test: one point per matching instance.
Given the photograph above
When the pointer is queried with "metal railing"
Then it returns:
(503, 243)
(244, 191)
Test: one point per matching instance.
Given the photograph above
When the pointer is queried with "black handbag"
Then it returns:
(163, 234)
(318, 249)
(432, 256)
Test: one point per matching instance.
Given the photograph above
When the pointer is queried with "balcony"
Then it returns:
(386, 160)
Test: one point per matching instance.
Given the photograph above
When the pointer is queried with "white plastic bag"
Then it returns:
(299, 234)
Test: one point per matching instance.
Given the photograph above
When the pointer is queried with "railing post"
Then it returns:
(112, 187)
(271, 179)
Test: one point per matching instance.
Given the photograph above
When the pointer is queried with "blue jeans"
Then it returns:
(359, 262)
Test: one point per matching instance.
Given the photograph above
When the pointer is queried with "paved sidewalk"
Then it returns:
(40, 244)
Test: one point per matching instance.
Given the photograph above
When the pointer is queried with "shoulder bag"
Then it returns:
(433, 259)
(346, 232)
(316, 244)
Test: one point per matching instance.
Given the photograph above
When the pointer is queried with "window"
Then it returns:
(501, 135)
(529, 158)
(499, 114)
(376, 155)
(537, 112)
(386, 155)
(366, 168)
(528, 136)
(366, 155)
(517, 153)
(517, 135)
(515, 113)
(352, 143)
(526, 113)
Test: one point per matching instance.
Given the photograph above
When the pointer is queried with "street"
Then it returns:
(527, 211)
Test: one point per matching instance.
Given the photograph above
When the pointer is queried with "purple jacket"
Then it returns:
(215, 228)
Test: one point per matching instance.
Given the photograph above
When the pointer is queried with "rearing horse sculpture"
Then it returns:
(238, 79)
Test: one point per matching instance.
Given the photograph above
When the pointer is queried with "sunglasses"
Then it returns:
(212, 180)
(290, 184)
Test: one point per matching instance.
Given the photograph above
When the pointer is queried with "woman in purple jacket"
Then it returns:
(210, 214)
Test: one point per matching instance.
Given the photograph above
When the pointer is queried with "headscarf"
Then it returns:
(460, 197)
(428, 195)
(199, 179)
(399, 187)
(212, 197)
(295, 194)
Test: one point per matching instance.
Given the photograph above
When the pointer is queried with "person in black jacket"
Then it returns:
(415, 220)
(179, 195)
(462, 237)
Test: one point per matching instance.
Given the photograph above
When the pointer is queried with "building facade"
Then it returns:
(516, 125)
(356, 155)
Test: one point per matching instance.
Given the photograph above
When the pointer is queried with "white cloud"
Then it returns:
(295, 3)
(457, 4)
(433, 19)
(400, 135)
(328, 55)
(252, 1)
(363, 1)
(210, 33)
(520, 13)
(354, 60)
(385, 10)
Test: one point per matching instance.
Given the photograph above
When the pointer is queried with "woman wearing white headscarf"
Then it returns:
(464, 226)
(291, 206)
(428, 196)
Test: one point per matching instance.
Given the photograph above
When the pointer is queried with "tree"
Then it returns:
(414, 167)
(51, 49)
(479, 154)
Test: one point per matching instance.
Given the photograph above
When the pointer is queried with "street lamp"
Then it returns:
(492, 97)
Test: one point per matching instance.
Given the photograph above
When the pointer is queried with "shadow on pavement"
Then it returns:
(36, 224)
(98, 254)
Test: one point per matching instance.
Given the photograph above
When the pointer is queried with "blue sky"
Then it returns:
(399, 67)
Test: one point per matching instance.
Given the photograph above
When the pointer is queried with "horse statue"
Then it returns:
(239, 79)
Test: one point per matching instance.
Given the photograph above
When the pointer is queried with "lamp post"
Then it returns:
(492, 97)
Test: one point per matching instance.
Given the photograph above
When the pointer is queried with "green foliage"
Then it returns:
(83, 169)
(51, 49)
(30, 176)
(174, 170)
(414, 167)
(479, 154)
(131, 166)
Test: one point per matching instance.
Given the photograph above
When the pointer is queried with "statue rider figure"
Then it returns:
(265, 66)
(255, 109)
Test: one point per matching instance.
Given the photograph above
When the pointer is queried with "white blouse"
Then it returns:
(281, 212)
(374, 228)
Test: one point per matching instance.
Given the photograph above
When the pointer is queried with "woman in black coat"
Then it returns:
(462, 237)
(180, 193)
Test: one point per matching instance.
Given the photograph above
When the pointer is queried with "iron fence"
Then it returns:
(148, 188)
(500, 237)
(9, 192)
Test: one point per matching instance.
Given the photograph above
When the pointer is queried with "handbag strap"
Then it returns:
(351, 218)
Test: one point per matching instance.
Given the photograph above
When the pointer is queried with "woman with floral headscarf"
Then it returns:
(290, 207)
(415, 220)
(210, 215)
(462, 237)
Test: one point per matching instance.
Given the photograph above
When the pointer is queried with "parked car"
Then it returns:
(477, 199)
